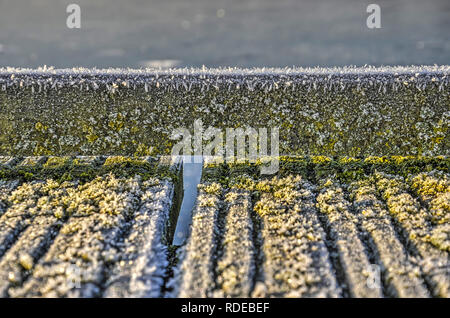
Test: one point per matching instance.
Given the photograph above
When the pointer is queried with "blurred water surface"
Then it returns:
(245, 33)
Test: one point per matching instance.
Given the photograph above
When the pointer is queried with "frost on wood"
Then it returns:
(140, 271)
(105, 228)
(402, 277)
(236, 267)
(195, 277)
(296, 260)
(85, 245)
(416, 223)
(319, 229)
(100, 227)
(343, 230)
(332, 111)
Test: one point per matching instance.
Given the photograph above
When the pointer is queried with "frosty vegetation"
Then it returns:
(332, 111)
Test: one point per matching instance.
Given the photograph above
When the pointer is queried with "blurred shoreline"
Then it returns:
(215, 33)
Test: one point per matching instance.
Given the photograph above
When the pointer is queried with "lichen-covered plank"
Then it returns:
(296, 261)
(115, 238)
(236, 267)
(40, 207)
(416, 227)
(10, 228)
(195, 276)
(342, 226)
(6, 188)
(23, 204)
(402, 278)
(19, 260)
(141, 266)
(77, 261)
(434, 189)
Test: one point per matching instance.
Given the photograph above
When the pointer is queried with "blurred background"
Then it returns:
(244, 33)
